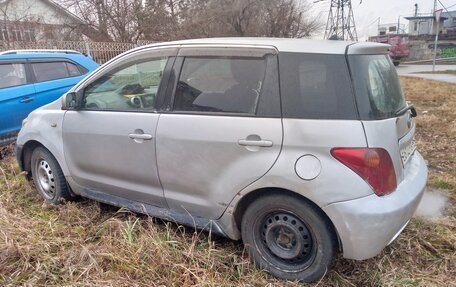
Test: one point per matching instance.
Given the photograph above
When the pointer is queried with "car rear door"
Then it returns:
(16, 94)
(221, 129)
(53, 77)
(109, 144)
(388, 121)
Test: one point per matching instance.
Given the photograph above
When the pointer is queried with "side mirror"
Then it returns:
(72, 101)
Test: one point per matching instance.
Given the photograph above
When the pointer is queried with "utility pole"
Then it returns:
(437, 14)
(341, 21)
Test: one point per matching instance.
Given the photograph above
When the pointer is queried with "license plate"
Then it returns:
(407, 151)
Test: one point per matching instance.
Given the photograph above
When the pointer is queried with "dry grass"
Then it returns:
(85, 244)
(449, 72)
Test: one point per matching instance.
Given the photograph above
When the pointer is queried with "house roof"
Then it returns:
(54, 5)
(72, 19)
(63, 10)
(442, 18)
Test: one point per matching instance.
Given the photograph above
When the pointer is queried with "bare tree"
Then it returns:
(13, 20)
(272, 18)
(133, 20)
(113, 20)
(287, 18)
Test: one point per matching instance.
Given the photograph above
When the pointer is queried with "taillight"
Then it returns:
(374, 165)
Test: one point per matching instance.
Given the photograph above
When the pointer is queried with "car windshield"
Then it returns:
(377, 86)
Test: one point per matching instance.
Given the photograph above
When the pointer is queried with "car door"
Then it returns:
(222, 130)
(16, 92)
(53, 77)
(109, 144)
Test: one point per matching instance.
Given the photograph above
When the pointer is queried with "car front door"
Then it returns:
(16, 95)
(109, 144)
(222, 130)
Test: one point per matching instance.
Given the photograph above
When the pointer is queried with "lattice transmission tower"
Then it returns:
(341, 21)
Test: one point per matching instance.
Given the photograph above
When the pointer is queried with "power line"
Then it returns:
(444, 6)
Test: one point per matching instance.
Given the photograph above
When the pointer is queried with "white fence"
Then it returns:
(101, 52)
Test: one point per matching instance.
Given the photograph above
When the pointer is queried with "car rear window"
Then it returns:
(316, 86)
(377, 87)
(73, 70)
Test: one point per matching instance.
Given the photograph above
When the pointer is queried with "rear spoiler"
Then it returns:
(368, 48)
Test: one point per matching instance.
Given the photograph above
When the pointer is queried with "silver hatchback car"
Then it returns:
(300, 148)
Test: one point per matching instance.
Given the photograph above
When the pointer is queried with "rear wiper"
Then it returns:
(410, 108)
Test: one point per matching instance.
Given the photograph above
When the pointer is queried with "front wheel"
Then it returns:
(289, 238)
(48, 177)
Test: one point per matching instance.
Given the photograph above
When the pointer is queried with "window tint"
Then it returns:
(50, 71)
(133, 86)
(316, 87)
(378, 90)
(12, 75)
(220, 84)
(73, 69)
(83, 70)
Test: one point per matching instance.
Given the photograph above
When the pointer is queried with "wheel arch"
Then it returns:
(249, 198)
(26, 155)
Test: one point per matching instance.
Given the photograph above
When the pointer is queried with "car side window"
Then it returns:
(132, 86)
(315, 86)
(220, 84)
(12, 75)
(50, 71)
(73, 70)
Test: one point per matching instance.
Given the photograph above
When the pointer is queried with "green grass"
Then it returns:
(442, 184)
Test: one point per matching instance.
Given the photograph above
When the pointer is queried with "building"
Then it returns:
(422, 25)
(422, 31)
(450, 23)
(425, 25)
(38, 21)
(391, 28)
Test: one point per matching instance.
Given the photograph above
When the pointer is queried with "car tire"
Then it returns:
(289, 238)
(48, 177)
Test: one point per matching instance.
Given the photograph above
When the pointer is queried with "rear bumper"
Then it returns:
(367, 225)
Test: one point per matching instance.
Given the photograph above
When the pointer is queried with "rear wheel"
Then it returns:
(48, 177)
(289, 238)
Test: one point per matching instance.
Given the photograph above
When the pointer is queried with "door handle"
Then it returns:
(259, 143)
(146, 137)
(26, 100)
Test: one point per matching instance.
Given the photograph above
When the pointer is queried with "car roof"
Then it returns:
(40, 55)
(290, 45)
(81, 59)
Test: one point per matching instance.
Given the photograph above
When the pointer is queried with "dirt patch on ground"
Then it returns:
(6, 151)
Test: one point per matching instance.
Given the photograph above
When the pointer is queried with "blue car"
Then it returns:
(31, 79)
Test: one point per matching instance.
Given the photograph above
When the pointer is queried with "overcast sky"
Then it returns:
(388, 11)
